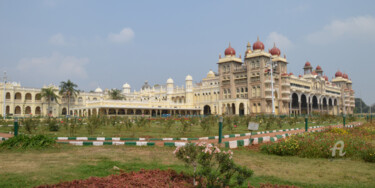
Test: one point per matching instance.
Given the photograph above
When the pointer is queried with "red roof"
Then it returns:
(230, 51)
(275, 50)
(258, 45)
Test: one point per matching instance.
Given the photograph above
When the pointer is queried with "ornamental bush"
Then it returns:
(212, 166)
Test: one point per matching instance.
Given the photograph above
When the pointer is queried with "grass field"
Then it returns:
(36, 167)
(158, 130)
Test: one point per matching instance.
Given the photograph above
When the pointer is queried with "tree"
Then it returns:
(115, 94)
(68, 89)
(49, 94)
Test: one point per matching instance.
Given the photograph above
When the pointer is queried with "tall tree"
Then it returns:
(49, 94)
(115, 94)
(68, 89)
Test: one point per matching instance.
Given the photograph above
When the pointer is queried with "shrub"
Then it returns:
(28, 142)
(52, 124)
(29, 124)
(93, 122)
(368, 155)
(212, 167)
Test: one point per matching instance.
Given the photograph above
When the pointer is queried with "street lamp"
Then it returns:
(273, 65)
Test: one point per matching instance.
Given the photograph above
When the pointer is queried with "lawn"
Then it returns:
(159, 129)
(36, 167)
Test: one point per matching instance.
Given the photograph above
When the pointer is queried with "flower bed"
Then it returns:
(358, 143)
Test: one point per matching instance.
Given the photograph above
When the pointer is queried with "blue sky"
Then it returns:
(108, 43)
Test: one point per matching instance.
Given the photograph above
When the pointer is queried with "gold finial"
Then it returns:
(248, 44)
(257, 38)
(219, 56)
(229, 44)
(274, 44)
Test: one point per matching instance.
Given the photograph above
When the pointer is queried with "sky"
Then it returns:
(108, 43)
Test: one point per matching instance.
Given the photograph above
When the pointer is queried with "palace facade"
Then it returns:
(241, 86)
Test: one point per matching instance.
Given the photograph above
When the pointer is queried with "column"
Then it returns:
(299, 107)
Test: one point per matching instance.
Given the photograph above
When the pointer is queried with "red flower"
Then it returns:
(235, 125)
(61, 122)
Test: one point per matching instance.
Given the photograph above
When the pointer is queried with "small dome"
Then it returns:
(338, 74)
(188, 78)
(307, 64)
(314, 73)
(300, 76)
(210, 74)
(325, 77)
(258, 45)
(98, 90)
(290, 74)
(318, 68)
(169, 81)
(126, 85)
(275, 50)
(345, 76)
(284, 74)
(230, 51)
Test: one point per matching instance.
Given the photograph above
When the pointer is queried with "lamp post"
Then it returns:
(5, 82)
(273, 65)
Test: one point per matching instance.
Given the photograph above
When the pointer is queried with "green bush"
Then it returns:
(213, 167)
(52, 124)
(28, 142)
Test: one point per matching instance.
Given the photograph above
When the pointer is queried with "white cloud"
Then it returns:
(126, 35)
(57, 39)
(281, 41)
(361, 28)
(54, 66)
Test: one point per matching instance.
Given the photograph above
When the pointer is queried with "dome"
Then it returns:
(188, 78)
(338, 74)
(345, 76)
(307, 64)
(169, 81)
(299, 76)
(258, 45)
(284, 74)
(290, 74)
(275, 50)
(146, 85)
(318, 68)
(325, 77)
(314, 73)
(210, 74)
(126, 85)
(230, 51)
(98, 90)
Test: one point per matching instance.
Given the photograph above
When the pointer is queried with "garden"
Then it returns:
(34, 158)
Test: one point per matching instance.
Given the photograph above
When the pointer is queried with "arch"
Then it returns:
(314, 102)
(138, 112)
(242, 109)
(28, 97)
(28, 110)
(303, 104)
(37, 111)
(63, 111)
(325, 102)
(153, 113)
(17, 110)
(7, 110)
(18, 96)
(207, 110)
(111, 111)
(80, 99)
(121, 111)
(130, 112)
(233, 108)
(94, 99)
(295, 103)
(38, 97)
(7, 96)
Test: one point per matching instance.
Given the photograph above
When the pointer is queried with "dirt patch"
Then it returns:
(143, 178)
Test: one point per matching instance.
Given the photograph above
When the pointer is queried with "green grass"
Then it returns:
(36, 167)
(157, 131)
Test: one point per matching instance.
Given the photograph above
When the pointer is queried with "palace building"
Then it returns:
(241, 86)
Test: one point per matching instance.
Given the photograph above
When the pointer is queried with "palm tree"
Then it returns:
(49, 94)
(115, 94)
(68, 89)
